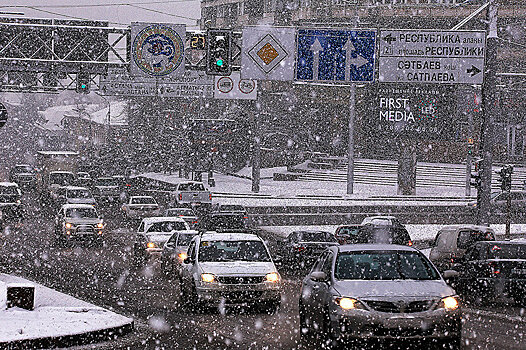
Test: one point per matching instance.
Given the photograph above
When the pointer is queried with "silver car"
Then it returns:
(365, 291)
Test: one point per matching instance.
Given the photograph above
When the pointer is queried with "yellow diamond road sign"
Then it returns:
(267, 53)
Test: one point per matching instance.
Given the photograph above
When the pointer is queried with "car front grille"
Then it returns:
(242, 295)
(401, 332)
(240, 279)
(84, 229)
(402, 307)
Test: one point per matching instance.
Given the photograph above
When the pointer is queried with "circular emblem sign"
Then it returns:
(158, 50)
(225, 85)
(246, 86)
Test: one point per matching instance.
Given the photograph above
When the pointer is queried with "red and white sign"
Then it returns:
(235, 88)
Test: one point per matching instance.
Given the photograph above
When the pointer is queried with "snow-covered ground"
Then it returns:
(416, 232)
(55, 314)
(311, 193)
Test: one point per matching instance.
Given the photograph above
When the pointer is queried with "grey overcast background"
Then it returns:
(118, 12)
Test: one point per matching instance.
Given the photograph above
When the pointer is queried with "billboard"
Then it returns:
(411, 111)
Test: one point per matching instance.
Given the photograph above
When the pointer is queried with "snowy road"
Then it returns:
(104, 276)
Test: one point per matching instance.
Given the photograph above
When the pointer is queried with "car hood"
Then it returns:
(389, 289)
(83, 221)
(236, 268)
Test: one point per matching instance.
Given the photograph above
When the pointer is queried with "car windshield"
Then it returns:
(106, 182)
(384, 265)
(143, 200)
(316, 237)
(217, 251)
(79, 194)
(191, 187)
(179, 212)
(507, 251)
(185, 239)
(167, 226)
(24, 169)
(79, 213)
(61, 179)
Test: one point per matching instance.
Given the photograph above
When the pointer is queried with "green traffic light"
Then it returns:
(220, 63)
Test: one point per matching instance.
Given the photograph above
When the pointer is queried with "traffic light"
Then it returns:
(219, 52)
(83, 81)
(475, 175)
(505, 177)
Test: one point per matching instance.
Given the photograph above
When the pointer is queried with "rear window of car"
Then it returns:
(180, 212)
(466, 238)
(167, 226)
(506, 251)
(383, 234)
(229, 207)
(382, 265)
(191, 187)
(79, 194)
(316, 237)
(9, 191)
(143, 200)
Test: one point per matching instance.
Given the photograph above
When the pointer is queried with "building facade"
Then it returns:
(324, 126)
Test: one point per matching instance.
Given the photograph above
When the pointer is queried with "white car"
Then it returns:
(151, 236)
(78, 222)
(175, 251)
(139, 207)
(230, 268)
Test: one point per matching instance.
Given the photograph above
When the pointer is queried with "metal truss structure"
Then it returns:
(45, 55)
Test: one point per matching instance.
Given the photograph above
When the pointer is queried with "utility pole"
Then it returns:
(489, 100)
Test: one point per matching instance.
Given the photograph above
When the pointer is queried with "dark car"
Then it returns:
(302, 248)
(492, 269)
(11, 202)
(390, 234)
(24, 175)
(221, 222)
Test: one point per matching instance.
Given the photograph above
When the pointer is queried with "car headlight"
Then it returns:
(449, 303)
(68, 224)
(272, 277)
(349, 303)
(208, 277)
(150, 245)
(100, 225)
(182, 256)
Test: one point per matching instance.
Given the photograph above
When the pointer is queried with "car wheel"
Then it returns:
(271, 307)
(451, 343)
(305, 329)
(328, 336)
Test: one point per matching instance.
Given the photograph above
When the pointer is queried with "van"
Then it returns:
(451, 243)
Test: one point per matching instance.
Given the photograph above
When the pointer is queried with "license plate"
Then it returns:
(519, 271)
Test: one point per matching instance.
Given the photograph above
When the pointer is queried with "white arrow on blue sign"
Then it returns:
(335, 55)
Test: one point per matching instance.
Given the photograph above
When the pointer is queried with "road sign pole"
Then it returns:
(350, 154)
(469, 154)
(489, 98)
(256, 147)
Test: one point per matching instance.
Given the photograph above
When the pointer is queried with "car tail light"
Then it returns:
(210, 196)
(494, 269)
(410, 243)
(300, 248)
(128, 185)
(180, 196)
(195, 222)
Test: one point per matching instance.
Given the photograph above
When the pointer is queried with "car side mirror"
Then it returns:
(188, 261)
(318, 276)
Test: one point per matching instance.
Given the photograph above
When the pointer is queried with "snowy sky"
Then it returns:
(118, 12)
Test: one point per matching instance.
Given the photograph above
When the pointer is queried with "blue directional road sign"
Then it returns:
(335, 55)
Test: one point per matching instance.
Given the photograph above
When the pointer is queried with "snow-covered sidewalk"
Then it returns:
(56, 317)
